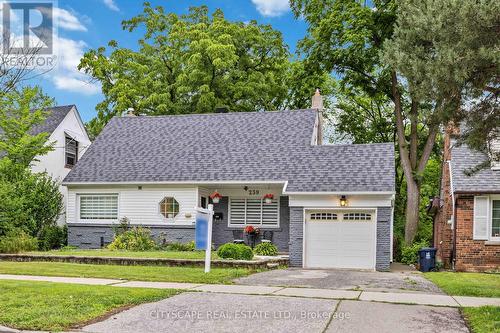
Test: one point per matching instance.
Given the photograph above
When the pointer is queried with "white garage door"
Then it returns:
(340, 239)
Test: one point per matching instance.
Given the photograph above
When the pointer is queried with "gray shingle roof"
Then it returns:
(254, 146)
(485, 180)
(55, 116)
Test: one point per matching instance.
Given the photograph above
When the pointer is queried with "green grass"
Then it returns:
(142, 273)
(130, 254)
(485, 319)
(56, 306)
(467, 284)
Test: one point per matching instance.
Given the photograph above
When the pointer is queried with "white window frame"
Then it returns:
(490, 218)
(80, 195)
(266, 226)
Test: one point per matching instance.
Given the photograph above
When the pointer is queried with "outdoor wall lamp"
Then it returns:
(343, 201)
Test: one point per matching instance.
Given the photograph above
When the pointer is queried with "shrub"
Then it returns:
(189, 246)
(266, 249)
(52, 237)
(123, 226)
(235, 251)
(409, 254)
(135, 239)
(16, 241)
(30, 201)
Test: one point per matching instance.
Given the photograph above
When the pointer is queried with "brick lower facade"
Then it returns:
(470, 255)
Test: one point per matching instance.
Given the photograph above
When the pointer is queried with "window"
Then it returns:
(323, 216)
(71, 152)
(204, 202)
(357, 217)
(495, 219)
(169, 207)
(252, 211)
(98, 206)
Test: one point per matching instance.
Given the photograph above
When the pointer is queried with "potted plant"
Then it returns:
(268, 198)
(216, 196)
(252, 233)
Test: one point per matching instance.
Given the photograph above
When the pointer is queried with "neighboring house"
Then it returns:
(467, 220)
(67, 131)
(156, 170)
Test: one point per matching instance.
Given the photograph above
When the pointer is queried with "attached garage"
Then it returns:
(336, 238)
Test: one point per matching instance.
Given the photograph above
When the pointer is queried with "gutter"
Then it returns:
(454, 219)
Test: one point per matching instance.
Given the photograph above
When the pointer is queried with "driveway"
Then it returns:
(213, 312)
(397, 281)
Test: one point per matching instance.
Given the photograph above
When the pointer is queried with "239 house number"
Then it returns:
(253, 192)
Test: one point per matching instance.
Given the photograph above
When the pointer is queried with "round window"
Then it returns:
(169, 207)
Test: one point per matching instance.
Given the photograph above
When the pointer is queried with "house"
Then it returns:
(67, 131)
(467, 219)
(331, 206)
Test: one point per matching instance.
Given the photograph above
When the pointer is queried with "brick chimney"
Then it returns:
(317, 100)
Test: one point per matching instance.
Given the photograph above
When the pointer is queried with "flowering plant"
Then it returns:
(268, 198)
(216, 196)
(251, 230)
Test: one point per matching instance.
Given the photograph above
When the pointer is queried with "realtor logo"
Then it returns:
(24, 17)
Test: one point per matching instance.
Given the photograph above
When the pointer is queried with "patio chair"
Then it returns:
(267, 236)
(238, 237)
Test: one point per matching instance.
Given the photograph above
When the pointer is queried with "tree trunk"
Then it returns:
(412, 210)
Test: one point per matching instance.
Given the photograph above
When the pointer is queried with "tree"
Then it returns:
(30, 201)
(20, 113)
(192, 64)
(350, 38)
(447, 54)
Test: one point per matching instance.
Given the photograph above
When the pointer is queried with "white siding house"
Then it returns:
(71, 140)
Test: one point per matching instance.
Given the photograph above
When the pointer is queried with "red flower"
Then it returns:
(250, 229)
(269, 196)
(215, 195)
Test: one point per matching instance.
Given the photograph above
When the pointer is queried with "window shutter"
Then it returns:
(480, 231)
(237, 211)
(270, 213)
(254, 211)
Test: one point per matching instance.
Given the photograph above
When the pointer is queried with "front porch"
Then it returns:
(242, 205)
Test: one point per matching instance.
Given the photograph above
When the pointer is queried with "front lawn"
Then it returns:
(485, 319)
(467, 284)
(141, 273)
(130, 254)
(57, 306)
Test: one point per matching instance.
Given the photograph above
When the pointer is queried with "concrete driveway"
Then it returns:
(213, 312)
(396, 281)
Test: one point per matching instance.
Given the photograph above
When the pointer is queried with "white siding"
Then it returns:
(141, 206)
(54, 161)
(325, 200)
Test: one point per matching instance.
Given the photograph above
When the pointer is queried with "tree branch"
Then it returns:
(429, 145)
(403, 151)
(413, 133)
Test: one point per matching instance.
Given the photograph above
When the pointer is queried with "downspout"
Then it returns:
(453, 218)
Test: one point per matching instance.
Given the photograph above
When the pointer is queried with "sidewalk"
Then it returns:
(386, 297)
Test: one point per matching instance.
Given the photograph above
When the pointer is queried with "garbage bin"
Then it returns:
(427, 258)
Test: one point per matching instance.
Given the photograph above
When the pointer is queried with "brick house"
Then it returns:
(467, 214)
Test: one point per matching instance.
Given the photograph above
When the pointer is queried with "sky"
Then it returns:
(89, 24)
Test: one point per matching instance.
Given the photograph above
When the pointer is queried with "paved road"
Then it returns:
(213, 312)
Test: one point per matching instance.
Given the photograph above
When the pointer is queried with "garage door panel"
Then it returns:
(340, 244)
